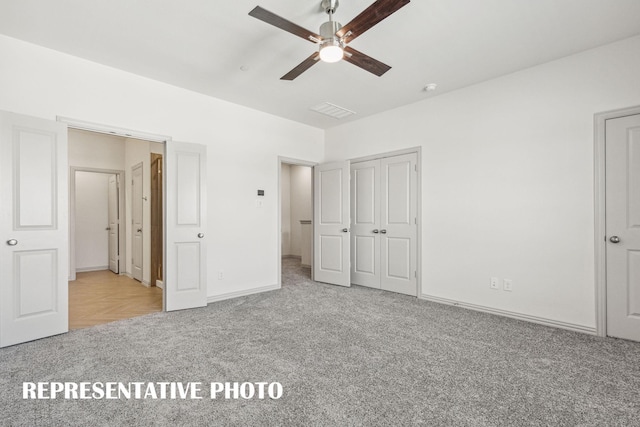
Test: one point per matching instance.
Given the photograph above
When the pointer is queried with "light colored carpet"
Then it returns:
(345, 356)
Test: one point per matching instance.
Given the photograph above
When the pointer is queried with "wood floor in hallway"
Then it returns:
(99, 297)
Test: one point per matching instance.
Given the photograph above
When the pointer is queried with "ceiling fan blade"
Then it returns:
(369, 17)
(283, 24)
(302, 67)
(365, 62)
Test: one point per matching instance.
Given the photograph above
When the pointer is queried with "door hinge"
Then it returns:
(415, 274)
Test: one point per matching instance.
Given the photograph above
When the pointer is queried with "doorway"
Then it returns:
(296, 212)
(120, 237)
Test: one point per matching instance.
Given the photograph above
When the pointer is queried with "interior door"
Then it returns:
(623, 226)
(365, 223)
(398, 228)
(113, 227)
(331, 221)
(186, 215)
(34, 250)
(136, 222)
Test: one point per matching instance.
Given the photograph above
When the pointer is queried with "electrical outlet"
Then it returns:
(220, 275)
(507, 285)
(495, 283)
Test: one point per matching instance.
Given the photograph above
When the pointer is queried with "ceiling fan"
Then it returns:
(334, 38)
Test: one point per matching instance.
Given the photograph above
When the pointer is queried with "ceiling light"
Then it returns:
(331, 52)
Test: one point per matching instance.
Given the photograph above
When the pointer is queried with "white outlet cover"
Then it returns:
(507, 285)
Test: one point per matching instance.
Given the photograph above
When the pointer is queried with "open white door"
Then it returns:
(623, 227)
(186, 215)
(331, 219)
(34, 253)
(114, 225)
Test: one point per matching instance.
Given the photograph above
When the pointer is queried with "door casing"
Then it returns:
(599, 213)
(297, 162)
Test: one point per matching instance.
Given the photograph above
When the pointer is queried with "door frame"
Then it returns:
(289, 161)
(72, 214)
(128, 133)
(418, 151)
(600, 251)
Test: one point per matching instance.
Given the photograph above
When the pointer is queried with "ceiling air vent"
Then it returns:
(332, 110)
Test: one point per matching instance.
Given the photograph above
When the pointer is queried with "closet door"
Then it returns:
(398, 229)
(365, 223)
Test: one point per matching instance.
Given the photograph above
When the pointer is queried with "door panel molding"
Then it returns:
(600, 120)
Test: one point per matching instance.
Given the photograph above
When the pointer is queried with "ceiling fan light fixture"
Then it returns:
(331, 52)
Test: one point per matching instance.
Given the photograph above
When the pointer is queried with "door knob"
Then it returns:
(376, 231)
(12, 242)
(345, 230)
(200, 235)
(614, 239)
(383, 231)
(139, 230)
(108, 228)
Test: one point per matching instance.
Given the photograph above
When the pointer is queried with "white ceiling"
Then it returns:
(202, 45)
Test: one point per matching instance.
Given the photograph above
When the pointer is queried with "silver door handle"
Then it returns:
(139, 230)
(200, 235)
(12, 242)
(345, 230)
(376, 231)
(383, 231)
(614, 239)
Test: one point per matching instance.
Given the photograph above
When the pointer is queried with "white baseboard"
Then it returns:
(230, 295)
(292, 256)
(526, 317)
(86, 269)
(160, 284)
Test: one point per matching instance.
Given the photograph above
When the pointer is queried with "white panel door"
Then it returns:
(34, 250)
(398, 229)
(365, 223)
(113, 227)
(331, 224)
(186, 215)
(136, 222)
(623, 227)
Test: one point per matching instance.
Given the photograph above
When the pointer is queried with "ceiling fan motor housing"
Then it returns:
(329, 29)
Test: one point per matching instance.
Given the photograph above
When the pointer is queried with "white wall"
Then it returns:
(92, 204)
(507, 180)
(300, 204)
(243, 146)
(285, 208)
(96, 150)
